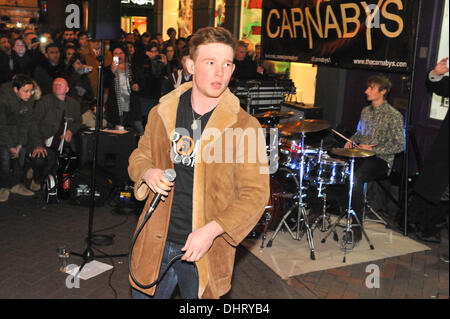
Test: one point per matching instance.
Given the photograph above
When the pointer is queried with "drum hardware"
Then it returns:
(279, 201)
(323, 220)
(257, 96)
(267, 217)
(301, 211)
(274, 114)
(367, 206)
(303, 126)
(348, 242)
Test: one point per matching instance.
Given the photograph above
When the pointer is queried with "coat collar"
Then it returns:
(222, 117)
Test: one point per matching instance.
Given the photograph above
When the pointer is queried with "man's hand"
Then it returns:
(154, 178)
(68, 136)
(39, 152)
(366, 146)
(14, 152)
(349, 144)
(163, 58)
(200, 240)
(441, 67)
(260, 69)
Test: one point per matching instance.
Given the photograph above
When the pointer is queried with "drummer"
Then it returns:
(380, 129)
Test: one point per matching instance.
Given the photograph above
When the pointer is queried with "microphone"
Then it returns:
(170, 174)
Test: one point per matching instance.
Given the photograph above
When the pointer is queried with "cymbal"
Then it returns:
(303, 126)
(274, 114)
(352, 152)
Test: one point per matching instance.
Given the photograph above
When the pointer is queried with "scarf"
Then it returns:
(123, 101)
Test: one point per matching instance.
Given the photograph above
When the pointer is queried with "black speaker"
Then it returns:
(80, 191)
(104, 19)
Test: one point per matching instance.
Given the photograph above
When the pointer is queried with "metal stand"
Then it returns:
(367, 206)
(323, 220)
(301, 212)
(348, 238)
(88, 254)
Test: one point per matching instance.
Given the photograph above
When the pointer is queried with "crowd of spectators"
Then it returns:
(138, 70)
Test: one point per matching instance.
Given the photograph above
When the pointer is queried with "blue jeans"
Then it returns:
(7, 180)
(181, 272)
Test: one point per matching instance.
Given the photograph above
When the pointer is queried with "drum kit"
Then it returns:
(300, 167)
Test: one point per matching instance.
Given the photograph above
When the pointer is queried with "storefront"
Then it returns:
(19, 14)
(302, 74)
(137, 14)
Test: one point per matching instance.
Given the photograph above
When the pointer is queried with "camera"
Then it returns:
(158, 57)
(35, 40)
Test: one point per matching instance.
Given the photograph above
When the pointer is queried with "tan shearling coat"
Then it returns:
(232, 193)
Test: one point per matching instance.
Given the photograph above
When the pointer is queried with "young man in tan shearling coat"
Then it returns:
(222, 183)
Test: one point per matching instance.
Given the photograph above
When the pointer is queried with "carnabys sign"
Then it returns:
(372, 34)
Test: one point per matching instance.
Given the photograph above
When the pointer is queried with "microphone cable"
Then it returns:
(170, 174)
(161, 275)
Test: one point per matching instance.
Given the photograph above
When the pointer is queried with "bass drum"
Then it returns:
(283, 187)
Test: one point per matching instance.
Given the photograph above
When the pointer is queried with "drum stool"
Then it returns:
(367, 206)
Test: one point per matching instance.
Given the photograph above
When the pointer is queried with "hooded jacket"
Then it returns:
(15, 117)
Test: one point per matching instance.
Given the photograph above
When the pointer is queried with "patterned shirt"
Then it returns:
(381, 126)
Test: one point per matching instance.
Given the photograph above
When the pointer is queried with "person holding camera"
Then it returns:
(123, 107)
(92, 55)
(79, 82)
(152, 67)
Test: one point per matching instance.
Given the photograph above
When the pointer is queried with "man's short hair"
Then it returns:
(171, 30)
(208, 35)
(20, 80)
(242, 44)
(76, 56)
(382, 81)
(184, 52)
(51, 45)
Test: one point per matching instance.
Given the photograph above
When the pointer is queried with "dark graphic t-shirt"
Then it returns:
(185, 146)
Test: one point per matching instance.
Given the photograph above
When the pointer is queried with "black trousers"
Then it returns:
(365, 170)
(42, 166)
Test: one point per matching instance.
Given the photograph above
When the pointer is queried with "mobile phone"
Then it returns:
(116, 59)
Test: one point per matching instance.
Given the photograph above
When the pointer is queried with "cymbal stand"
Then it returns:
(301, 211)
(323, 220)
(348, 237)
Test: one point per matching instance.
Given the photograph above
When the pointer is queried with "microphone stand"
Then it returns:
(403, 197)
(88, 254)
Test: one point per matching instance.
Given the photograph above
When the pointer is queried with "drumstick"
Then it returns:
(349, 140)
(336, 132)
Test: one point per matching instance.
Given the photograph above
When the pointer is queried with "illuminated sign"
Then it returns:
(139, 2)
(375, 34)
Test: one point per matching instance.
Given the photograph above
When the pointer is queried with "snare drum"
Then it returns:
(290, 153)
(328, 171)
(283, 188)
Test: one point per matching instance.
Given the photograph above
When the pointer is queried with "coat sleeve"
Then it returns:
(141, 160)
(440, 87)
(253, 190)
(5, 138)
(35, 133)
